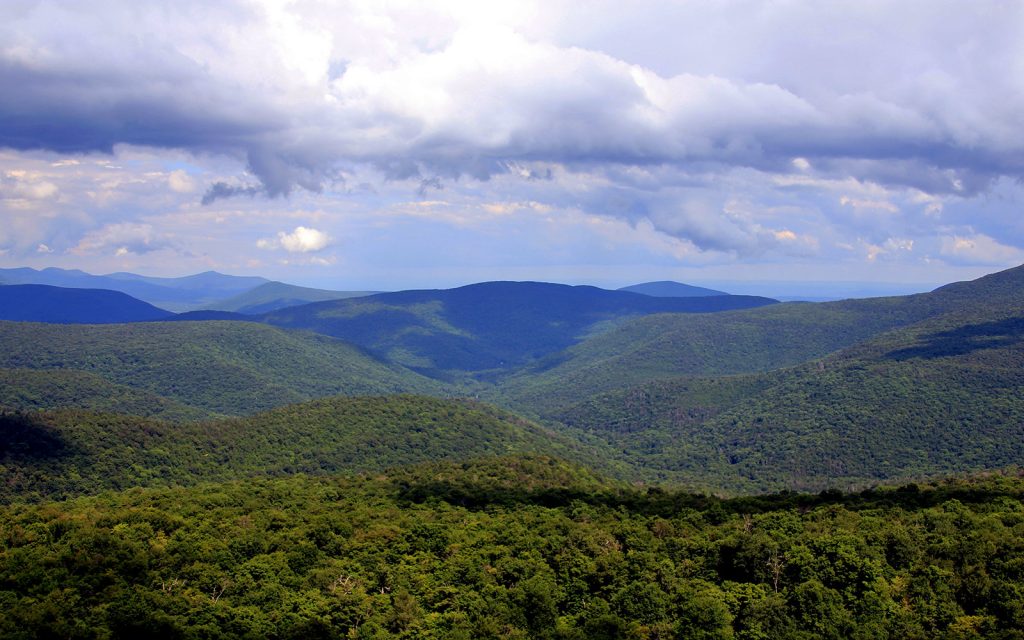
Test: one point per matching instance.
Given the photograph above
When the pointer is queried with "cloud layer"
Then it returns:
(796, 130)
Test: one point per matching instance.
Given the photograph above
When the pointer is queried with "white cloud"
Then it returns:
(180, 182)
(120, 239)
(42, 248)
(301, 240)
(979, 249)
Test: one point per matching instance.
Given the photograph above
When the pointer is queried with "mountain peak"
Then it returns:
(672, 289)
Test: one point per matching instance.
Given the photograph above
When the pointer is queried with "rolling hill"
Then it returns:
(71, 452)
(44, 303)
(671, 289)
(942, 395)
(271, 296)
(215, 367)
(485, 329)
(663, 346)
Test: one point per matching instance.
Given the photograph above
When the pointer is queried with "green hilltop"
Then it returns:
(216, 367)
(56, 454)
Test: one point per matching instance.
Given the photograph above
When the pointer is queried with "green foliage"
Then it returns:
(486, 330)
(667, 346)
(945, 394)
(383, 556)
(196, 368)
(66, 453)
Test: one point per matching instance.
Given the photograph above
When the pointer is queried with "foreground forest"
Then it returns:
(514, 548)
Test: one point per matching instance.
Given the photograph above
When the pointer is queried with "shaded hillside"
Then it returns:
(43, 303)
(942, 395)
(671, 289)
(278, 295)
(218, 367)
(64, 453)
(484, 327)
(659, 347)
(174, 294)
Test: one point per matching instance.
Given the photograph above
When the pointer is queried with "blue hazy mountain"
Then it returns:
(486, 326)
(671, 289)
(64, 305)
(175, 294)
(271, 296)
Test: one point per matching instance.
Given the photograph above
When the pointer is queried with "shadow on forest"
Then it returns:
(26, 437)
(964, 340)
(659, 502)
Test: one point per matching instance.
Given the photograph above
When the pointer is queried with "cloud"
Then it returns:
(122, 239)
(979, 249)
(447, 91)
(42, 248)
(301, 240)
(25, 188)
(714, 131)
(219, 190)
(180, 182)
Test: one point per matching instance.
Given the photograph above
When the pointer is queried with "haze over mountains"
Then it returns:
(208, 290)
(722, 392)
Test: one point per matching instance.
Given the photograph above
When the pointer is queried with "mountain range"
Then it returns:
(207, 290)
(725, 393)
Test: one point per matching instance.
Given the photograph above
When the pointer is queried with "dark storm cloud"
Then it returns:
(237, 80)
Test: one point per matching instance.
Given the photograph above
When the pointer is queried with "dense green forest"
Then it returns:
(665, 346)
(942, 395)
(58, 454)
(214, 367)
(514, 548)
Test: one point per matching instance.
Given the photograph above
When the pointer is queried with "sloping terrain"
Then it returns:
(32, 389)
(231, 368)
(43, 303)
(660, 347)
(942, 395)
(69, 452)
(278, 295)
(489, 327)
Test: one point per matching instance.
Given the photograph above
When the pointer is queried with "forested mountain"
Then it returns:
(214, 367)
(43, 303)
(487, 327)
(671, 289)
(73, 452)
(944, 394)
(174, 294)
(663, 346)
(271, 296)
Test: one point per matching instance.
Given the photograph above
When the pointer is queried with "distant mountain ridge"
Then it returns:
(62, 305)
(174, 294)
(271, 296)
(671, 289)
(663, 346)
(490, 326)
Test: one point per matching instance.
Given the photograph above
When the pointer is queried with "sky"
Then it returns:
(387, 145)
